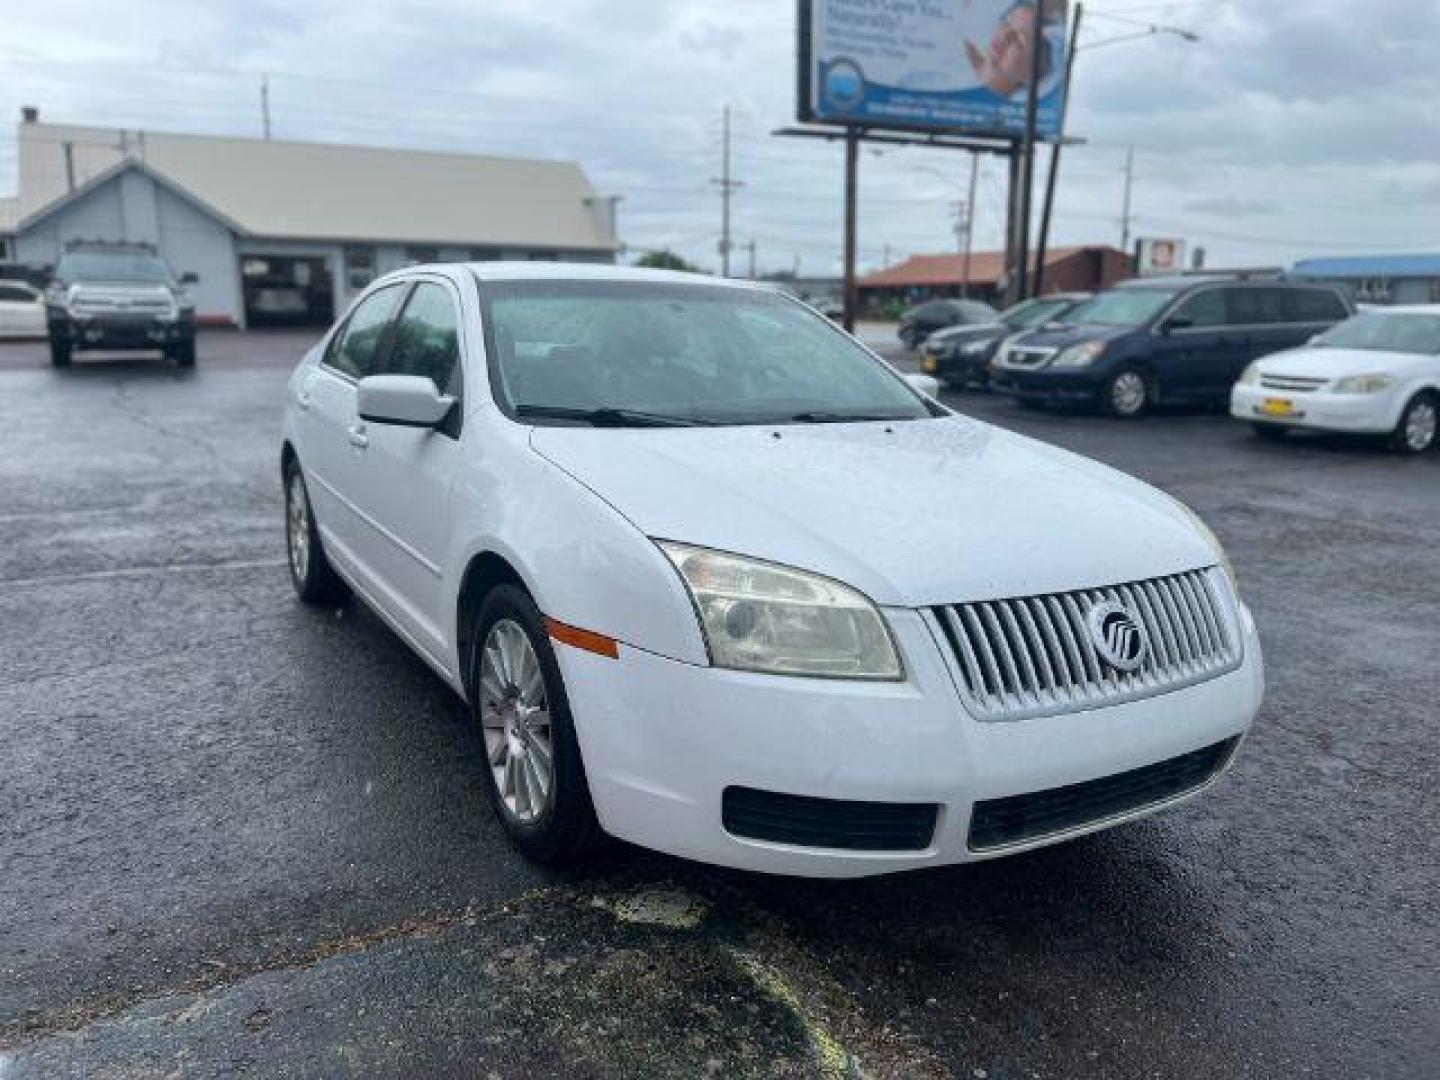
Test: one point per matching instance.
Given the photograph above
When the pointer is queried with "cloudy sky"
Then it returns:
(1292, 128)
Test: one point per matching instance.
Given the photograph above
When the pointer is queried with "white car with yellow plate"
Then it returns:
(1378, 374)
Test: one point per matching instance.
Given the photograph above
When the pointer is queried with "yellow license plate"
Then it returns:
(927, 364)
(1277, 406)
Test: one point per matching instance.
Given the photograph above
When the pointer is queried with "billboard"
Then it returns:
(954, 66)
(1160, 255)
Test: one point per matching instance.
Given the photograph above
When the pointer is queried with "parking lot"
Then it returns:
(237, 834)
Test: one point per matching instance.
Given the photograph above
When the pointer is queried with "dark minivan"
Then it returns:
(1165, 340)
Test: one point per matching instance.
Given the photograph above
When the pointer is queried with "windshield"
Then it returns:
(633, 353)
(1029, 313)
(113, 266)
(1387, 331)
(1122, 307)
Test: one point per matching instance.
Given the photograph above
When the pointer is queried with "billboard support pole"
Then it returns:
(1012, 188)
(1027, 180)
(852, 169)
(1049, 208)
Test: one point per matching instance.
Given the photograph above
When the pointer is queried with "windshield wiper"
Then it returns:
(609, 416)
(842, 418)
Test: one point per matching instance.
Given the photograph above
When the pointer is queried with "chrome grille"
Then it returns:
(1016, 356)
(1294, 383)
(1033, 656)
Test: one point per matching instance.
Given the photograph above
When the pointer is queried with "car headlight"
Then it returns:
(1079, 356)
(1250, 376)
(1362, 384)
(1222, 559)
(759, 616)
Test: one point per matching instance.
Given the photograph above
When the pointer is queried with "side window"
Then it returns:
(1257, 306)
(1316, 306)
(352, 351)
(1205, 310)
(426, 338)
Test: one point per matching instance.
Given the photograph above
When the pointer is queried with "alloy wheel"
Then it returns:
(297, 521)
(515, 717)
(1127, 393)
(1420, 425)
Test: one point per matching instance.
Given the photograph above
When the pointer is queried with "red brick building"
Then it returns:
(924, 277)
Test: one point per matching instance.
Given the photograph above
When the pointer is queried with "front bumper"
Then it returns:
(119, 331)
(1319, 410)
(663, 740)
(1045, 385)
(956, 366)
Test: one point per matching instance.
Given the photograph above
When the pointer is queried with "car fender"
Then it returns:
(582, 561)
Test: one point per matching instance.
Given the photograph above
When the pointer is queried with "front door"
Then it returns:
(404, 493)
(1188, 351)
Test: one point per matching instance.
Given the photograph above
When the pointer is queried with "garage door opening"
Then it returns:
(287, 290)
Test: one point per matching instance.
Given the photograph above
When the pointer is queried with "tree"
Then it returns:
(665, 260)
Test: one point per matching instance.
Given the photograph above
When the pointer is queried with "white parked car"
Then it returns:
(22, 310)
(1378, 373)
(715, 579)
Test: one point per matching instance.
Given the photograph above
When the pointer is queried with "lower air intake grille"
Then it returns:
(828, 823)
(1017, 819)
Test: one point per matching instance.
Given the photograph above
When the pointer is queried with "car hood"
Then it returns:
(1325, 363)
(912, 513)
(1062, 336)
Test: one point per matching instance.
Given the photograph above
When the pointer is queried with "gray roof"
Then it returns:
(316, 191)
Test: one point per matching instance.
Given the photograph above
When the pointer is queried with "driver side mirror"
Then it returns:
(406, 400)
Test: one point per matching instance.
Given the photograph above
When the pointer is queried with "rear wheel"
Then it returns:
(183, 353)
(1418, 424)
(59, 354)
(312, 575)
(1127, 394)
(533, 775)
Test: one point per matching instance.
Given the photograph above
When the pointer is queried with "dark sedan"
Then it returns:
(960, 356)
(920, 322)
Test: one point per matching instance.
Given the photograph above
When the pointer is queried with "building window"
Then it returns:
(486, 255)
(359, 267)
(416, 255)
(543, 256)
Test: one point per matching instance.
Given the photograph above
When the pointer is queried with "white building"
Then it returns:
(268, 225)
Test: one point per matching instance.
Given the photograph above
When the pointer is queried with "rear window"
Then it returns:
(1257, 307)
(1317, 305)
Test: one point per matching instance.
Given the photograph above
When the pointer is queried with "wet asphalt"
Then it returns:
(241, 836)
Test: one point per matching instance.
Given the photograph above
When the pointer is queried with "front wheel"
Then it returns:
(533, 774)
(1418, 424)
(1127, 394)
(59, 354)
(183, 353)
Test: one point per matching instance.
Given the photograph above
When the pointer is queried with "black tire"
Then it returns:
(565, 829)
(59, 354)
(1127, 394)
(183, 353)
(1270, 432)
(1416, 431)
(312, 575)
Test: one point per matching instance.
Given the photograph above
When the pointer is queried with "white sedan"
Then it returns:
(1378, 374)
(715, 579)
(22, 310)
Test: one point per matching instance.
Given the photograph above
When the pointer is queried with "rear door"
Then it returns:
(1260, 326)
(406, 473)
(1312, 310)
(331, 435)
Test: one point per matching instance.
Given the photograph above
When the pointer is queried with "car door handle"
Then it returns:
(358, 438)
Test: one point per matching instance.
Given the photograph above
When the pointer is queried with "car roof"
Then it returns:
(561, 271)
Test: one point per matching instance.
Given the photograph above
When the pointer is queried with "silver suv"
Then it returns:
(118, 296)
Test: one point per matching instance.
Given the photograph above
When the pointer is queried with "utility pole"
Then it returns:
(726, 186)
(265, 105)
(852, 171)
(1125, 212)
(1027, 179)
(969, 224)
(1049, 208)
